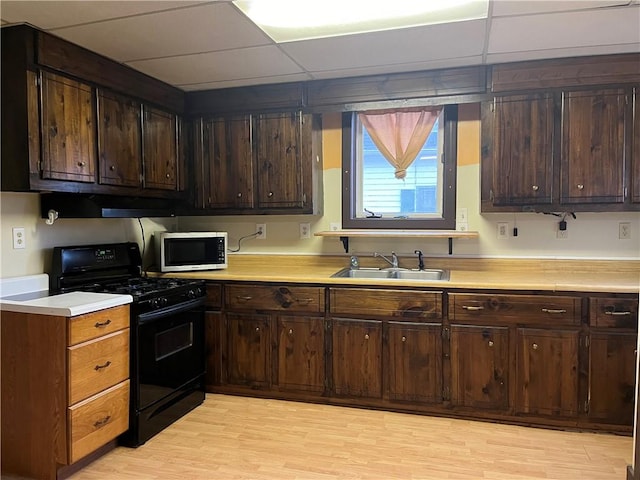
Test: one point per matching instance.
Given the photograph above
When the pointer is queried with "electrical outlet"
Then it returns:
(562, 234)
(261, 228)
(305, 230)
(503, 230)
(624, 230)
(463, 226)
(18, 238)
(334, 226)
(461, 215)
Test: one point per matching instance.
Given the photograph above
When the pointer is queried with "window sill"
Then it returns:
(344, 235)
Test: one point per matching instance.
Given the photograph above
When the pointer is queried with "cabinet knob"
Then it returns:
(491, 343)
(257, 329)
(404, 339)
(366, 336)
(239, 194)
(580, 186)
(112, 168)
(270, 194)
(168, 176)
(291, 331)
(535, 188)
(81, 164)
(534, 346)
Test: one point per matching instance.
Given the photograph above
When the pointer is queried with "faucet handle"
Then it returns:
(355, 263)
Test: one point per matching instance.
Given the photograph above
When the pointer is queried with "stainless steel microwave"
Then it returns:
(189, 251)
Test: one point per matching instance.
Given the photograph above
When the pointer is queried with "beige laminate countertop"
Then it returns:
(607, 276)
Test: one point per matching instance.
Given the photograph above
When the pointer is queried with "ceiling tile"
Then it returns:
(389, 48)
(255, 62)
(198, 29)
(518, 7)
(615, 26)
(55, 14)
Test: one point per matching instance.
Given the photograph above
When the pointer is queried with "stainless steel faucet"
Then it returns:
(394, 258)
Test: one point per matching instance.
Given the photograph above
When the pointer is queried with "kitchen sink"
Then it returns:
(394, 273)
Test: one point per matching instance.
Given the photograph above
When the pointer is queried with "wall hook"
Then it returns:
(52, 216)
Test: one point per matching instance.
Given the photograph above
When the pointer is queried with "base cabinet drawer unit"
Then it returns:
(65, 381)
(613, 347)
(274, 338)
(516, 353)
(386, 344)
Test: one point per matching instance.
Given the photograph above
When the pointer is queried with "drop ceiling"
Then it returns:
(203, 45)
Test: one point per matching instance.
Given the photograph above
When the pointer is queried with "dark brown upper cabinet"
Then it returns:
(119, 140)
(262, 163)
(559, 151)
(72, 122)
(68, 130)
(517, 150)
(593, 146)
(161, 152)
(635, 154)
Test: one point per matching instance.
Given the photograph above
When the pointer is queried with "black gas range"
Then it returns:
(167, 360)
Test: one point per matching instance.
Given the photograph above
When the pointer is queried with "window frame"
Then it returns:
(349, 184)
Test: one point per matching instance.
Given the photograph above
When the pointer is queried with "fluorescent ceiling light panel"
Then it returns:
(291, 20)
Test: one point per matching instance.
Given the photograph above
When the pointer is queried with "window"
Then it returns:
(377, 194)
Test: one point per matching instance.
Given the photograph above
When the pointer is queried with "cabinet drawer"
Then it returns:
(613, 312)
(98, 364)
(400, 304)
(98, 420)
(517, 309)
(259, 297)
(96, 324)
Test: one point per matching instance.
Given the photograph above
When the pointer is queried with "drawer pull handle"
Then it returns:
(472, 308)
(102, 422)
(102, 324)
(100, 367)
(305, 300)
(244, 299)
(554, 310)
(617, 313)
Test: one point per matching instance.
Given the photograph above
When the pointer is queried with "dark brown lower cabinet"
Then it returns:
(248, 357)
(357, 357)
(547, 372)
(480, 366)
(612, 376)
(301, 359)
(414, 363)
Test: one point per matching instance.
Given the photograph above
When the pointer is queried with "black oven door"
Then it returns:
(170, 348)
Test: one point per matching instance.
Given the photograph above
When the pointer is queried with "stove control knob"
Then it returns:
(162, 301)
(192, 293)
(155, 304)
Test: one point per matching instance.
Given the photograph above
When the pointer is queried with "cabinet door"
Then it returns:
(415, 362)
(279, 150)
(635, 149)
(480, 366)
(593, 139)
(523, 150)
(248, 359)
(612, 377)
(214, 347)
(547, 372)
(119, 140)
(160, 152)
(68, 130)
(357, 358)
(301, 362)
(228, 162)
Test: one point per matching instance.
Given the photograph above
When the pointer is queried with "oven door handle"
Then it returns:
(172, 310)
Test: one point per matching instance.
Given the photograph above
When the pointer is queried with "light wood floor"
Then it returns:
(247, 438)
